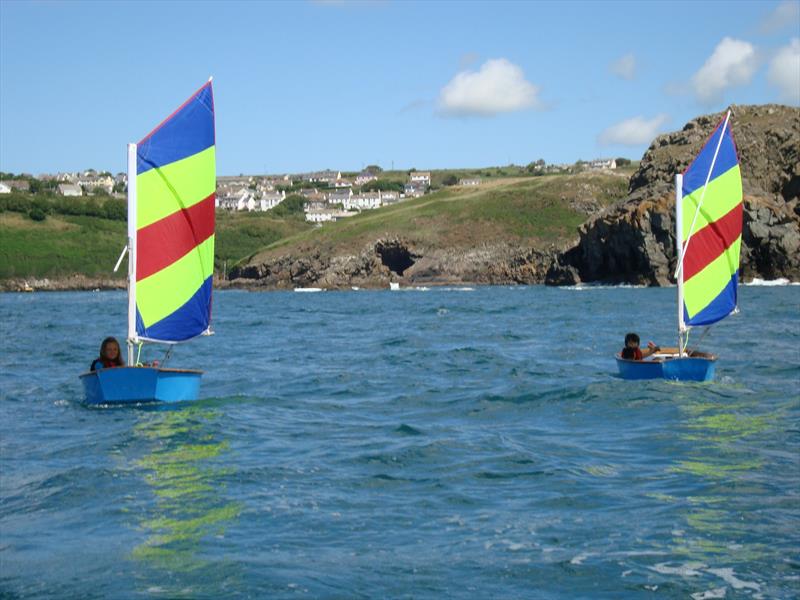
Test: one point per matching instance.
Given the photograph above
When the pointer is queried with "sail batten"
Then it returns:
(711, 230)
(175, 182)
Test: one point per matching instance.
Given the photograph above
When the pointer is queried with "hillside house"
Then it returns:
(92, 183)
(414, 190)
(341, 196)
(19, 185)
(365, 201)
(423, 177)
(602, 164)
(327, 176)
(389, 198)
(270, 200)
(326, 215)
(365, 177)
(4, 188)
(69, 189)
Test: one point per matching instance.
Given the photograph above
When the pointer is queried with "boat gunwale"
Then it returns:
(159, 369)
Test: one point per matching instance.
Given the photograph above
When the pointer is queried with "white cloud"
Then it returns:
(498, 87)
(786, 14)
(784, 71)
(633, 132)
(732, 63)
(624, 67)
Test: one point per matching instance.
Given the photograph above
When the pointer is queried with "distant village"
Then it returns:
(327, 195)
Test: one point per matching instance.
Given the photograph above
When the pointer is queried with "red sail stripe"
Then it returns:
(708, 243)
(165, 241)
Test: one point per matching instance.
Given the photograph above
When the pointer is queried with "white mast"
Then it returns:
(679, 254)
(132, 338)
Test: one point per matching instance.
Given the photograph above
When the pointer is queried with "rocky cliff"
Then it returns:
(629, 240)
(633, 241)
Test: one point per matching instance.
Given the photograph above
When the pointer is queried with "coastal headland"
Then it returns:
(515, 227)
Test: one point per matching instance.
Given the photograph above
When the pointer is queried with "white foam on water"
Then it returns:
(770, 282)
(690, 569)
(709, 594)
(738, 584)
(578, 560)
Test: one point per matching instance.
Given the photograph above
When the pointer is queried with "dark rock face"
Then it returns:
(398, 260)
(634, 242)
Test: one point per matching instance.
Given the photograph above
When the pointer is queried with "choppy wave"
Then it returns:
(431, 445)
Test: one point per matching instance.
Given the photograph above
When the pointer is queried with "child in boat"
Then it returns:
(631, 351)
(109, 355)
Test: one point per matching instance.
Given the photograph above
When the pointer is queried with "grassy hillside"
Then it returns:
(65, 244)
(529, 210)
(59, 245)
(536, 210)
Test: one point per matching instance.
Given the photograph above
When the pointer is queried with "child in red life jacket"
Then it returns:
(109, 355)
(631, 350)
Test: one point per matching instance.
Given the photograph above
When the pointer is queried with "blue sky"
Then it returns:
(310, 85)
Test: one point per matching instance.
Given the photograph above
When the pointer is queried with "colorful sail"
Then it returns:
(175, 189)
(711, 229)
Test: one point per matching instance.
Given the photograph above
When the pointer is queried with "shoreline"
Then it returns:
(82, 283)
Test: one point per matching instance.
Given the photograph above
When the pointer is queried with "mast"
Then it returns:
(679, 255)
(132, 339)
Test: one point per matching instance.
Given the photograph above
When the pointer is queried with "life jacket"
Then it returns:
(107, 364)
(631, 353)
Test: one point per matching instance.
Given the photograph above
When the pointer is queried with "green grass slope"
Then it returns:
(531, 210)
(63, 245)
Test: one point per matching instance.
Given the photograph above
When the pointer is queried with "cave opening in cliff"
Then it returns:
(396, 257)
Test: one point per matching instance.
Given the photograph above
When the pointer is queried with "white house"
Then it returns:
(4, 188)
(414, 190)
(340, 196)
(599, 164)
(389, 198)
(365, 201)
(365, 177)
(92, 182)
(69, 189)
(326, 176)
(328, 214)
(423, 177)
(270, 200)
(226, 203)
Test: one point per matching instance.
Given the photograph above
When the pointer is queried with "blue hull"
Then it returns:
(694, 368)
(133, 385)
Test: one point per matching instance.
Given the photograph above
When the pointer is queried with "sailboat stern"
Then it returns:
(135, 385)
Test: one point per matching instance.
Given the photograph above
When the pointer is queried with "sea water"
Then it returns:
(442, 443)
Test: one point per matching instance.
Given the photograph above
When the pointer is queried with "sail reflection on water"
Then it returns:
(719, 432)
(182, 469)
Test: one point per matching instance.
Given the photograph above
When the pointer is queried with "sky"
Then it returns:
(311, 85)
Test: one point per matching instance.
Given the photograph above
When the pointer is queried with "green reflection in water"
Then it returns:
(719, 431)
(182, 471)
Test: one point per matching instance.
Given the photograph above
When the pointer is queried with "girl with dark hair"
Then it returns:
(110, 355)
(631, 350)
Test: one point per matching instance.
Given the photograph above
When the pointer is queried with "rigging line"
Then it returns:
(702, 335)
(167, 354)
(703, 194)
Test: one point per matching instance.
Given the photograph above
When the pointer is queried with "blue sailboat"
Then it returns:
(171, 194)
(708, 237)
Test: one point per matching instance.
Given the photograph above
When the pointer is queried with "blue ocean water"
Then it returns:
(448, 443)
